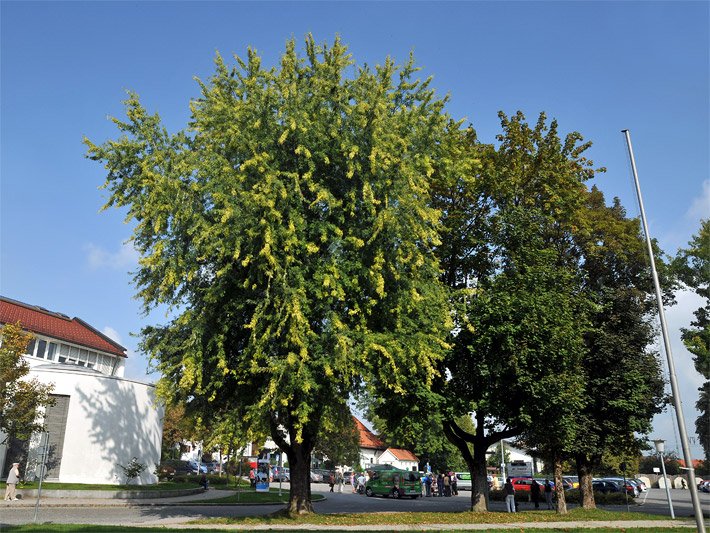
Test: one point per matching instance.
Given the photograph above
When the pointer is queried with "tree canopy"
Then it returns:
(289, 232)
(21, 399)
(692, 265)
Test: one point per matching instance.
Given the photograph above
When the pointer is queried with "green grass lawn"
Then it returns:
(353, 519)
(166, 485)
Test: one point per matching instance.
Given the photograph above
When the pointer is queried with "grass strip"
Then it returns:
(418, 518)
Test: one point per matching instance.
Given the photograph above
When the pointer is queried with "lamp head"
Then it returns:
(660, 445)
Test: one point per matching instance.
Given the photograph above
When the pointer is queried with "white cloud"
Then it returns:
(111, 334)
(125, 257)
(700, 208)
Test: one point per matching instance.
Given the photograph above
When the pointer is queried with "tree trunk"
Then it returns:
(299, 462)
(479, 480)
(559, 487)
(586, 493)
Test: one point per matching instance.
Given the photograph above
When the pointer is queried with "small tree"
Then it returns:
(20, 398)
(133, 469)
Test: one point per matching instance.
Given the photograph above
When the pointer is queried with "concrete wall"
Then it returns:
(110, 420)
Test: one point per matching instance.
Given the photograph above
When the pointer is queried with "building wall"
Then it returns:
(368, 456)
(109, 421)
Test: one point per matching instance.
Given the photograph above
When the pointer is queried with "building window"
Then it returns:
(31, 347)
(52, 350)
(41, 348)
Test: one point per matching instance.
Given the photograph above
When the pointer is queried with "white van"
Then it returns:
(463, 480)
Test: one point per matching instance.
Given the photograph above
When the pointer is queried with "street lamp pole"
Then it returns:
(502, 460)
(660, 447)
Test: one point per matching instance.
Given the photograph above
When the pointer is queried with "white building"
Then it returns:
(399, 458)
(99, 420)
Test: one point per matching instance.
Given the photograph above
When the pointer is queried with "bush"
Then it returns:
(215, 479)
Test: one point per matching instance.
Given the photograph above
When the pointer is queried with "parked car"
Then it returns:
(631, 487)
(604, 486)
(198, 467)
(396, 483)
(316, 477)
(213, 467)
(171, 468)
(463, 480)
(641, 485)
(346, 476)
(572, 480)
(279, 473)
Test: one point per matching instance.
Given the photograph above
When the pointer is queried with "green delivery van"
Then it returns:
(395, 482)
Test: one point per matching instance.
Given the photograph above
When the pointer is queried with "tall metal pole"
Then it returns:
(502, 461)
(665, 483)
(675, 392)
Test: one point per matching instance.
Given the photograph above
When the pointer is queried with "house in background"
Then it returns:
(374, 452)
(399, 458)
(99, 420)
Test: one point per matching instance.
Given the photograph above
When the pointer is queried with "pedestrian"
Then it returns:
(548, 494)
(535, 493)
(13, 476)
(454, 484)
(204, 482)
(440, 484)
(427, 483)
(361, 483)
(331, 481)
(252, 478)
(509, 492)
(339, 480)
(353, 483)
(447, 485)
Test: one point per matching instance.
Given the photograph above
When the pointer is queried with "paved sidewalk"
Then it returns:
(211, 494)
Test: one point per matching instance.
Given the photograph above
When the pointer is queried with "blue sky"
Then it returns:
(597, 67)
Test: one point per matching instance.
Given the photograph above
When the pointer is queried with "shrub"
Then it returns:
(133, 469)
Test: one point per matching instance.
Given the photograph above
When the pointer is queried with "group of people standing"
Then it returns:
(444, 484)
(536, 489)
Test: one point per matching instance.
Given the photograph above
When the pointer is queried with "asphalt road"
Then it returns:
(654, 502)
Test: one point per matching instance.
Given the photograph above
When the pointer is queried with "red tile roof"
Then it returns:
(367, 438)
(403, 455)
(56, 325)
(697, 463)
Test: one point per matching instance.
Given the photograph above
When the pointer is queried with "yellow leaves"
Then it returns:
(312, 248)
(283, 136)
(302, 150)
(226, 215)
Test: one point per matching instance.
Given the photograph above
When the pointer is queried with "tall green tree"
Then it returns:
(692, 265)
(514, 318)
(623, 383)
(288, 229)
(21, 399)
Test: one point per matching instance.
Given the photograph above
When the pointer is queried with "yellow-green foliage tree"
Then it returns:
(20, 398)
(289, 231)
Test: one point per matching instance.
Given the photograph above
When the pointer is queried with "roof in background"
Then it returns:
(41, 321)
(367, 438)
(402, 455)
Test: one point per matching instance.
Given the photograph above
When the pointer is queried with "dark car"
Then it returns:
(171, 468)
(604, 486)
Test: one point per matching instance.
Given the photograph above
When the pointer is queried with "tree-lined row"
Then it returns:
(320, 231)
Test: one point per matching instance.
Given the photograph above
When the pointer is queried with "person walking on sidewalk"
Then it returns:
(13, 477)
